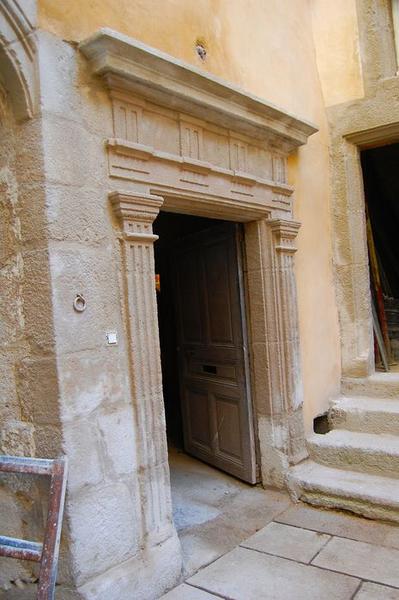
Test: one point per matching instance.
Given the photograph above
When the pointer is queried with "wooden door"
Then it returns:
(216, 408)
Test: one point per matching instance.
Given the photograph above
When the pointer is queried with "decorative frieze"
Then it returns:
(207, 113)
(242, 188)
(132, 158)
(161, 170)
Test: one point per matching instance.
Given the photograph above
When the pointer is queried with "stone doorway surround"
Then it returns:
(356, 126)
(366, 122)
(191, 143)
(225, 158)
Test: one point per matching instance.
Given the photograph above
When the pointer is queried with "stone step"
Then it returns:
(372, 496)
(367, 415)
(364, 452)
(378, 385)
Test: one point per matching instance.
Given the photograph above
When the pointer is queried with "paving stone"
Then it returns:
(187, 592)
(373, 591)
(250, 575)
(215, 512)
(289, 542)
(201, 548)
(366, 561)
(341, 524)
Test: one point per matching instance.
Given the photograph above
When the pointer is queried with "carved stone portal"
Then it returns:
(219, 153)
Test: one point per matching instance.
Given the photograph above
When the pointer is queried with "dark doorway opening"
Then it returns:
(171, 228)
(201, 312)
(381, 185)
(194, 258)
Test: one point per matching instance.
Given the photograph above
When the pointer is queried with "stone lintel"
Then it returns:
(126, 63)
(374, 136)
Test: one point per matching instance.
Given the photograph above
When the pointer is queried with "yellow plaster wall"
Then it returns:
(267, 48)
(336, 37)
(257, 44)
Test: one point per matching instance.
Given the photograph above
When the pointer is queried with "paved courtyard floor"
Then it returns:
(214, 512)
(294, 551)
(245, 543)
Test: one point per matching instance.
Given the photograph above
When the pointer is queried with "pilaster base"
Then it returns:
(146, 576)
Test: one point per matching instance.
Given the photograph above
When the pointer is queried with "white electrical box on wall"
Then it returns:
(112, 338)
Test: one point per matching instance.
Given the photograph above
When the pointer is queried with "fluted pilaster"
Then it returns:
(283, 237)
(137, 214)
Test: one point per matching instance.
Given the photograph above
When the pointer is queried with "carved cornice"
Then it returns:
(137, 213)
(128, 64)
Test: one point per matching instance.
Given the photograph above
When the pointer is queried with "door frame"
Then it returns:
(243, 292)
(232, 165)
(276, 384)
(351, 253)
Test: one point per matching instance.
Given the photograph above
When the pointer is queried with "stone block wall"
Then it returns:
(105, 514)
(28, 389)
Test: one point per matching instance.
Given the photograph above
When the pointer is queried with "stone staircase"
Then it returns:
(355, 466)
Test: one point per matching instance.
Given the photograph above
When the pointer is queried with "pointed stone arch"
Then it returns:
(18, 54)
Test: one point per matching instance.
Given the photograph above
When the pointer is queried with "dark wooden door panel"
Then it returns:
(196, 417)
(216, 262)
(228, 418)
(216, 409)
(190, 300)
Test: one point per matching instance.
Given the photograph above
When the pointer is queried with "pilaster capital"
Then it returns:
(284, 234)
(137, 212)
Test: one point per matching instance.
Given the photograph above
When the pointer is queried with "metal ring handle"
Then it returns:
(79, 304)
